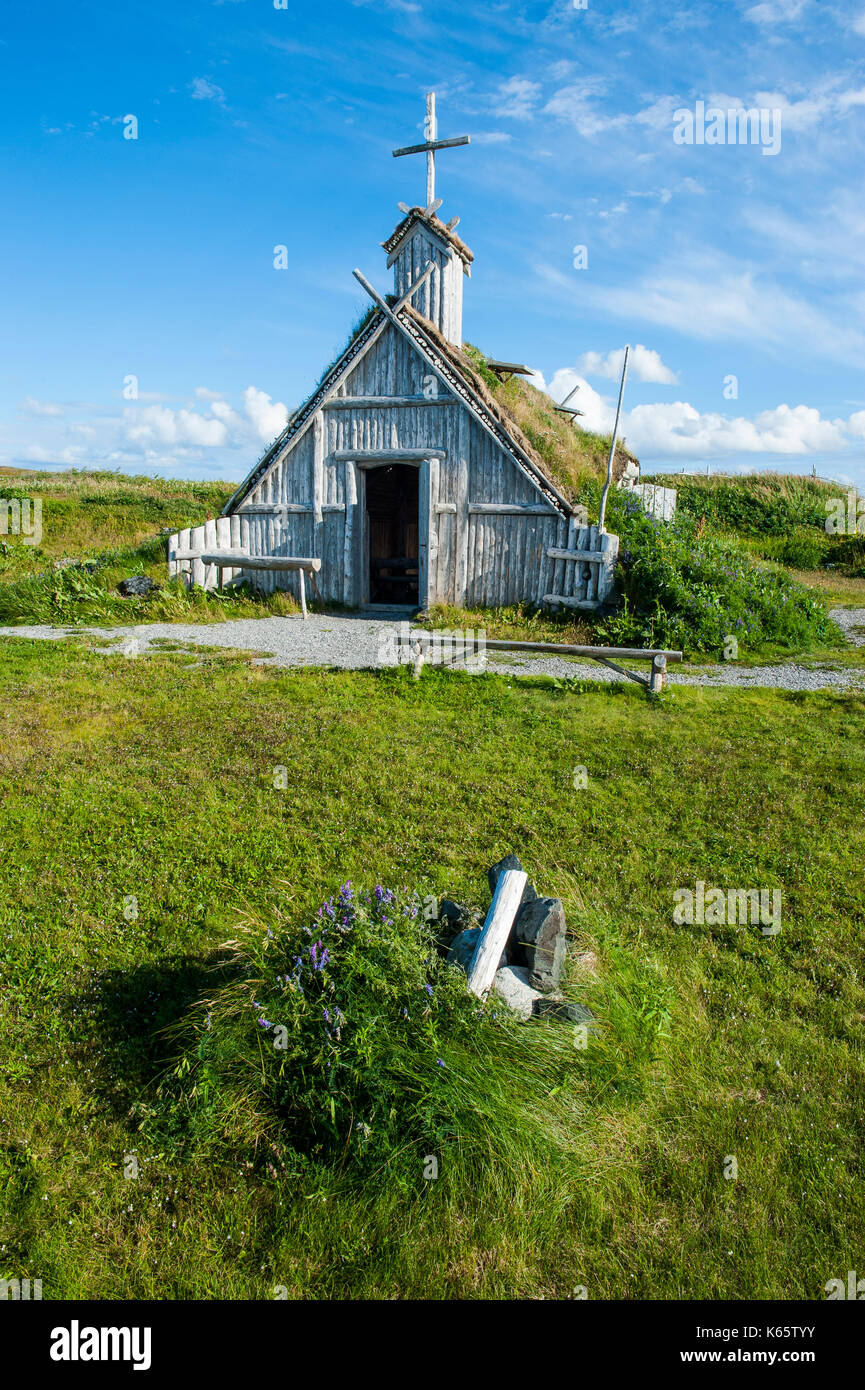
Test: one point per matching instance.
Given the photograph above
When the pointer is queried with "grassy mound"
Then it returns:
(683, 586)
(354, 1043)
(764, 504)
(571, 457)
(112, 527)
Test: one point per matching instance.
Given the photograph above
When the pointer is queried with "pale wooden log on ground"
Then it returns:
(496, 929)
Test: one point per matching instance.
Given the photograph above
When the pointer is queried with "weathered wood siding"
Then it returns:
(440, 298)
(476, 551)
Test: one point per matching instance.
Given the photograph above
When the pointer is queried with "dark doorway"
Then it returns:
(392, 520)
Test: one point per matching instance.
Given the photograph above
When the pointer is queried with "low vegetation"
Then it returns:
(145, 1152)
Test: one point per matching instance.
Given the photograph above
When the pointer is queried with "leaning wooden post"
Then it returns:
(658, 678)
(496, 929)
(603, 510)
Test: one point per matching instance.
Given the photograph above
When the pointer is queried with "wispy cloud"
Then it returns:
(771, 12)
(713, 299)
(202, 89)
(31, 406)
(516, 99)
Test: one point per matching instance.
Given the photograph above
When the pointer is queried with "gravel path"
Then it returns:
(355, 642)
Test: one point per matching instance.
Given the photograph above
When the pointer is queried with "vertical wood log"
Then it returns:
(571, 568)
(302, 593)
(196, 537)
(349, 590)
(423, 525)
(433, 538)
(607, 567)
(461, 520)
(658, 678)
(223, 542)
(209, 531)
(235, 542)
(496, 929)
(318, 486)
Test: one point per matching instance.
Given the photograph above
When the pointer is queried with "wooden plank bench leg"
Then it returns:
(302, 594)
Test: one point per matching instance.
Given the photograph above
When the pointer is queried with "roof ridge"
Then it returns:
(441, 229)
(300, 418)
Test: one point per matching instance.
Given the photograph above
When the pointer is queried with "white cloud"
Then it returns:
(157, 424)
(30, 406)
(267, 417)
(618, 211)
(824, 103)
(492, 137)
(575, 105)
(681, 430)
(38, 453)
(644, 364)
(678, 430)
(710, 298)
(516, 98)
(203, 89)
(776, 11)
(858, 24)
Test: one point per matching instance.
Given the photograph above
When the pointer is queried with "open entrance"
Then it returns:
(392, 522)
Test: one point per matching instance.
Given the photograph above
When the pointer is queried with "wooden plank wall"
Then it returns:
(480, 557)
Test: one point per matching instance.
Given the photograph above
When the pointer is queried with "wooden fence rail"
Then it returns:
(607, 656)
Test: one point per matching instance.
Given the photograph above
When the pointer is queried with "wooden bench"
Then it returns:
(235, 559)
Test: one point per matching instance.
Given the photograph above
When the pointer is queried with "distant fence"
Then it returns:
(659, 502)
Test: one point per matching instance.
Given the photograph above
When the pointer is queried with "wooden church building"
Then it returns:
(401, 474)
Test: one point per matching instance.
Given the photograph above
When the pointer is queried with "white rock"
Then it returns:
(511, 983)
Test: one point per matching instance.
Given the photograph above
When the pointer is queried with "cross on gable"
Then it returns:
(429, 147)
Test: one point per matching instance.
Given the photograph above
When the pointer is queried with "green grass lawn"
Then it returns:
(153, 779)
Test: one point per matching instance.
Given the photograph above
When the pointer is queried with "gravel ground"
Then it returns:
(356, 642)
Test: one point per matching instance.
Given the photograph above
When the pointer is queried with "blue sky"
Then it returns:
(735, 272)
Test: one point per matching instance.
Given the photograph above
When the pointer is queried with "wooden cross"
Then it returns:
(429, 147)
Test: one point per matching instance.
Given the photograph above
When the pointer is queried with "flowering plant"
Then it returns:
(351, 1015)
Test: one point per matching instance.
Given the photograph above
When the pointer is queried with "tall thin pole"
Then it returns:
(430, 134)
(603, 510)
